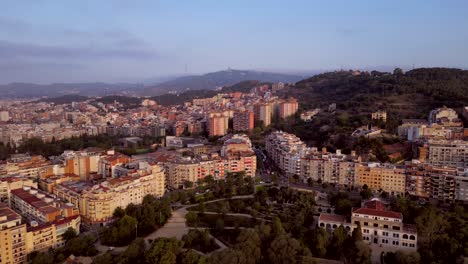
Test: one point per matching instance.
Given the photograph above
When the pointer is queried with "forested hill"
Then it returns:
(410, 93)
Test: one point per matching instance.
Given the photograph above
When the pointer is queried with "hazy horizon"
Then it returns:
(121, 41)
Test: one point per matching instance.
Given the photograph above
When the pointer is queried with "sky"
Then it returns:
(121, 41)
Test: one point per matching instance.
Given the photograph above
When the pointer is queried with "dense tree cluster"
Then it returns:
(137, 220)
(37, 146)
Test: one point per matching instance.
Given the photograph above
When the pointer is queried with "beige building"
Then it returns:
(379, 226)
(379, 115)
(386, 177)
(12, 236)
(218, 124)
(328, 167)
(7, 184)
(98, 202)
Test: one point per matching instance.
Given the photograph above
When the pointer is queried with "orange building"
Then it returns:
(288, 108)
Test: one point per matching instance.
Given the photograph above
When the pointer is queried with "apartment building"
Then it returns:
(243, 121)
(12, 236)
(263, 112)
(386, 177)
(379, 226)
(452, 153)
(328, 167)
(98, 202)
(286, 151)
(218, 124)
(442, 183)
(36, 205)
(7, 184)
(288, 108)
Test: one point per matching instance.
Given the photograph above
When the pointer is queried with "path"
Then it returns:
(176, 225)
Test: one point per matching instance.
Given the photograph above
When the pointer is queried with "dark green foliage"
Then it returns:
(136, 220)
(199, 240)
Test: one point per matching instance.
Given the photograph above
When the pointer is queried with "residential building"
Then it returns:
(12, 236)
(98, 202)
(36, 205)
(328, 167)
(286, 151)
(243, 121)
(263, 112)
(218, 124)
(452, 153)
(288, 108)
(7, 184)
(377, 176)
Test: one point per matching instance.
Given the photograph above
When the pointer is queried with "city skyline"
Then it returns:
(46, 42)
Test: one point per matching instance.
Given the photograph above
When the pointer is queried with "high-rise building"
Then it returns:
(263, 112)
(243, 121)
(288, 108)
(218, 124)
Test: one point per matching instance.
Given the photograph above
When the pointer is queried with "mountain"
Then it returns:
(22, 90)
(180, 98)
(215, 80)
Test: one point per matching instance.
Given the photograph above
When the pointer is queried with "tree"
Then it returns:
(249, 243)
(284, 249)
(192, 218)
(362, 253)
(69, 234)
(336, 247)
(400, 257)
(105, 258)
(192, 257)
(366, 193)
(188, 184)
(119, 212)
(164, 251)
(317, 240)
(134, 252)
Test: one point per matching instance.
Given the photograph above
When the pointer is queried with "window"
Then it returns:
(385, 226)
(405, 236)
(396, 228)
(366, 224)
(412, 237)
(396, 235)
(376, 225)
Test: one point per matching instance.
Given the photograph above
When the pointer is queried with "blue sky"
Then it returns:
(80, 41)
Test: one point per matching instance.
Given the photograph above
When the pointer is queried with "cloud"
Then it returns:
(10, 50)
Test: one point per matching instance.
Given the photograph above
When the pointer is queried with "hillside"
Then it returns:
(64, 99)
(173, 99)
(28, 90)
(403, 95)
(215, 80)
